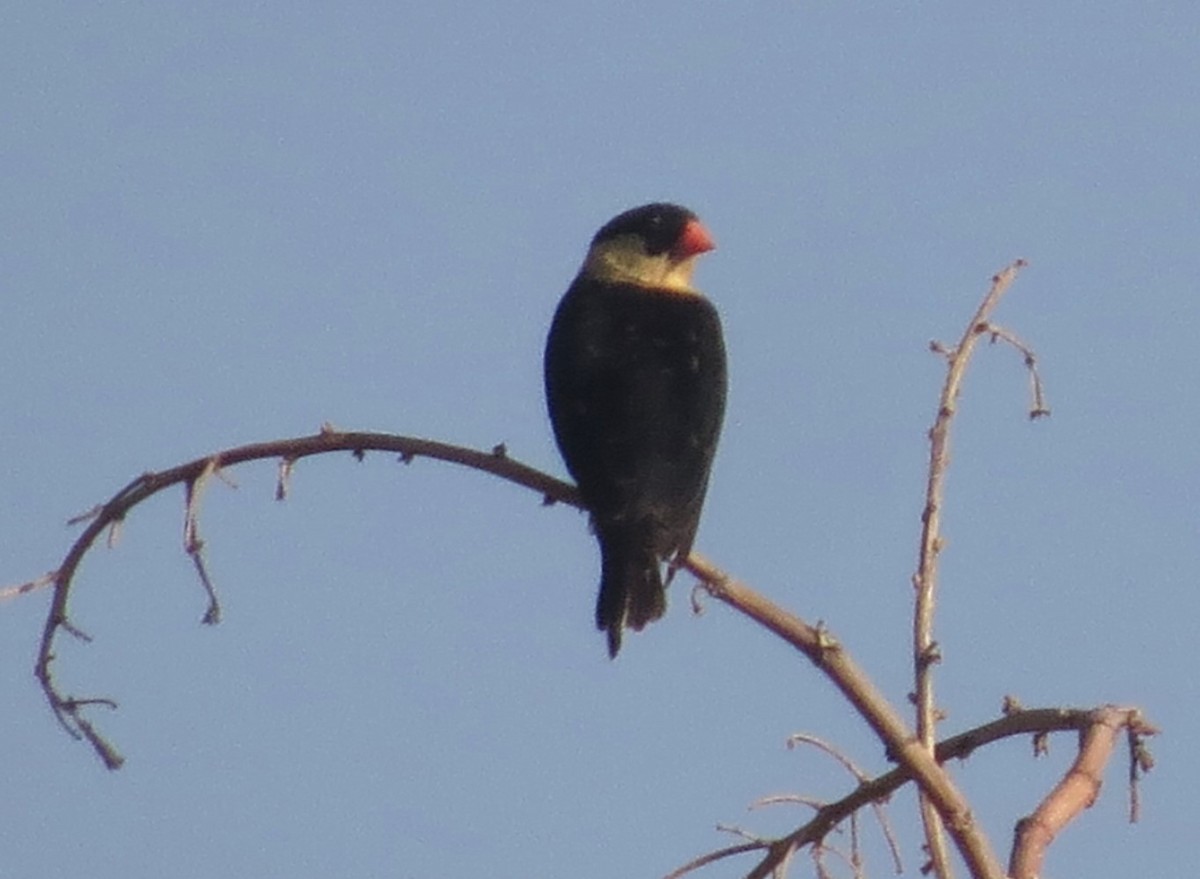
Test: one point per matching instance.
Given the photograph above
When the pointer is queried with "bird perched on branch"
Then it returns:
(635, 385)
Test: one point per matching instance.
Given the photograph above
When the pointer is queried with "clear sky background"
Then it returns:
(231, 225)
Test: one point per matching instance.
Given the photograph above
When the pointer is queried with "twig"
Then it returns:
(193, 543)
(713, 857)
(925, 649)
(1037, 407)
(862, 777)
(8, 593)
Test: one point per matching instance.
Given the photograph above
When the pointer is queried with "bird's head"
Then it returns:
(655, 245)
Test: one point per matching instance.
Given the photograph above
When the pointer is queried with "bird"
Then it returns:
(635, 380)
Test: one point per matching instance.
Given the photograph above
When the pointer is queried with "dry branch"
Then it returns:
(821, 649)
(925, 581)
(1038, 722)
(828, 655)
(193, 476)
(1080, 786)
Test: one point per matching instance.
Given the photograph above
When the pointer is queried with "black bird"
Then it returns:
(635, 385)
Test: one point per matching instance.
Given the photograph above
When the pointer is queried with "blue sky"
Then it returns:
(234, 224)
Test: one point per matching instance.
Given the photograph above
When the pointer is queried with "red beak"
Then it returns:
(693, 240)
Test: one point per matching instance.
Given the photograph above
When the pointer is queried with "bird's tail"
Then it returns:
(631, 587)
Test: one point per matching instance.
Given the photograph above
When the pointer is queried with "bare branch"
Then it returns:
(821, 648)
(827, 654)
(194, 475)
(925, 649)
(1017, 722)
(1077, 790)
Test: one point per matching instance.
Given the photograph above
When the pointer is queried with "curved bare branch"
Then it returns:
(192, 475)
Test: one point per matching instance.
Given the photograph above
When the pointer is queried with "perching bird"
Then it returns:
(635, 384)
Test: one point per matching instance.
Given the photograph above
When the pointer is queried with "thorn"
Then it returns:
(500, 451)
(825, 641)
(86, 516)
(283, 481)
(41, 582)
(220, 473)
(75, 631)
(406, 457)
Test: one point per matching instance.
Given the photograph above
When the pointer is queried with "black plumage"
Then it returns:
(635, 384)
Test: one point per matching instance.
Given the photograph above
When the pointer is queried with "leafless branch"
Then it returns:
(1037, 722)
(925, 649)
(827, 654)
(1078, 789)
(193, 476)
(817, 644)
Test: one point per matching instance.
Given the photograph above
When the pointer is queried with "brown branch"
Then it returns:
(824, 651)
(193, 475)
(925, 649)
(816, 644)
(1039, 722)
(1077, 790)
